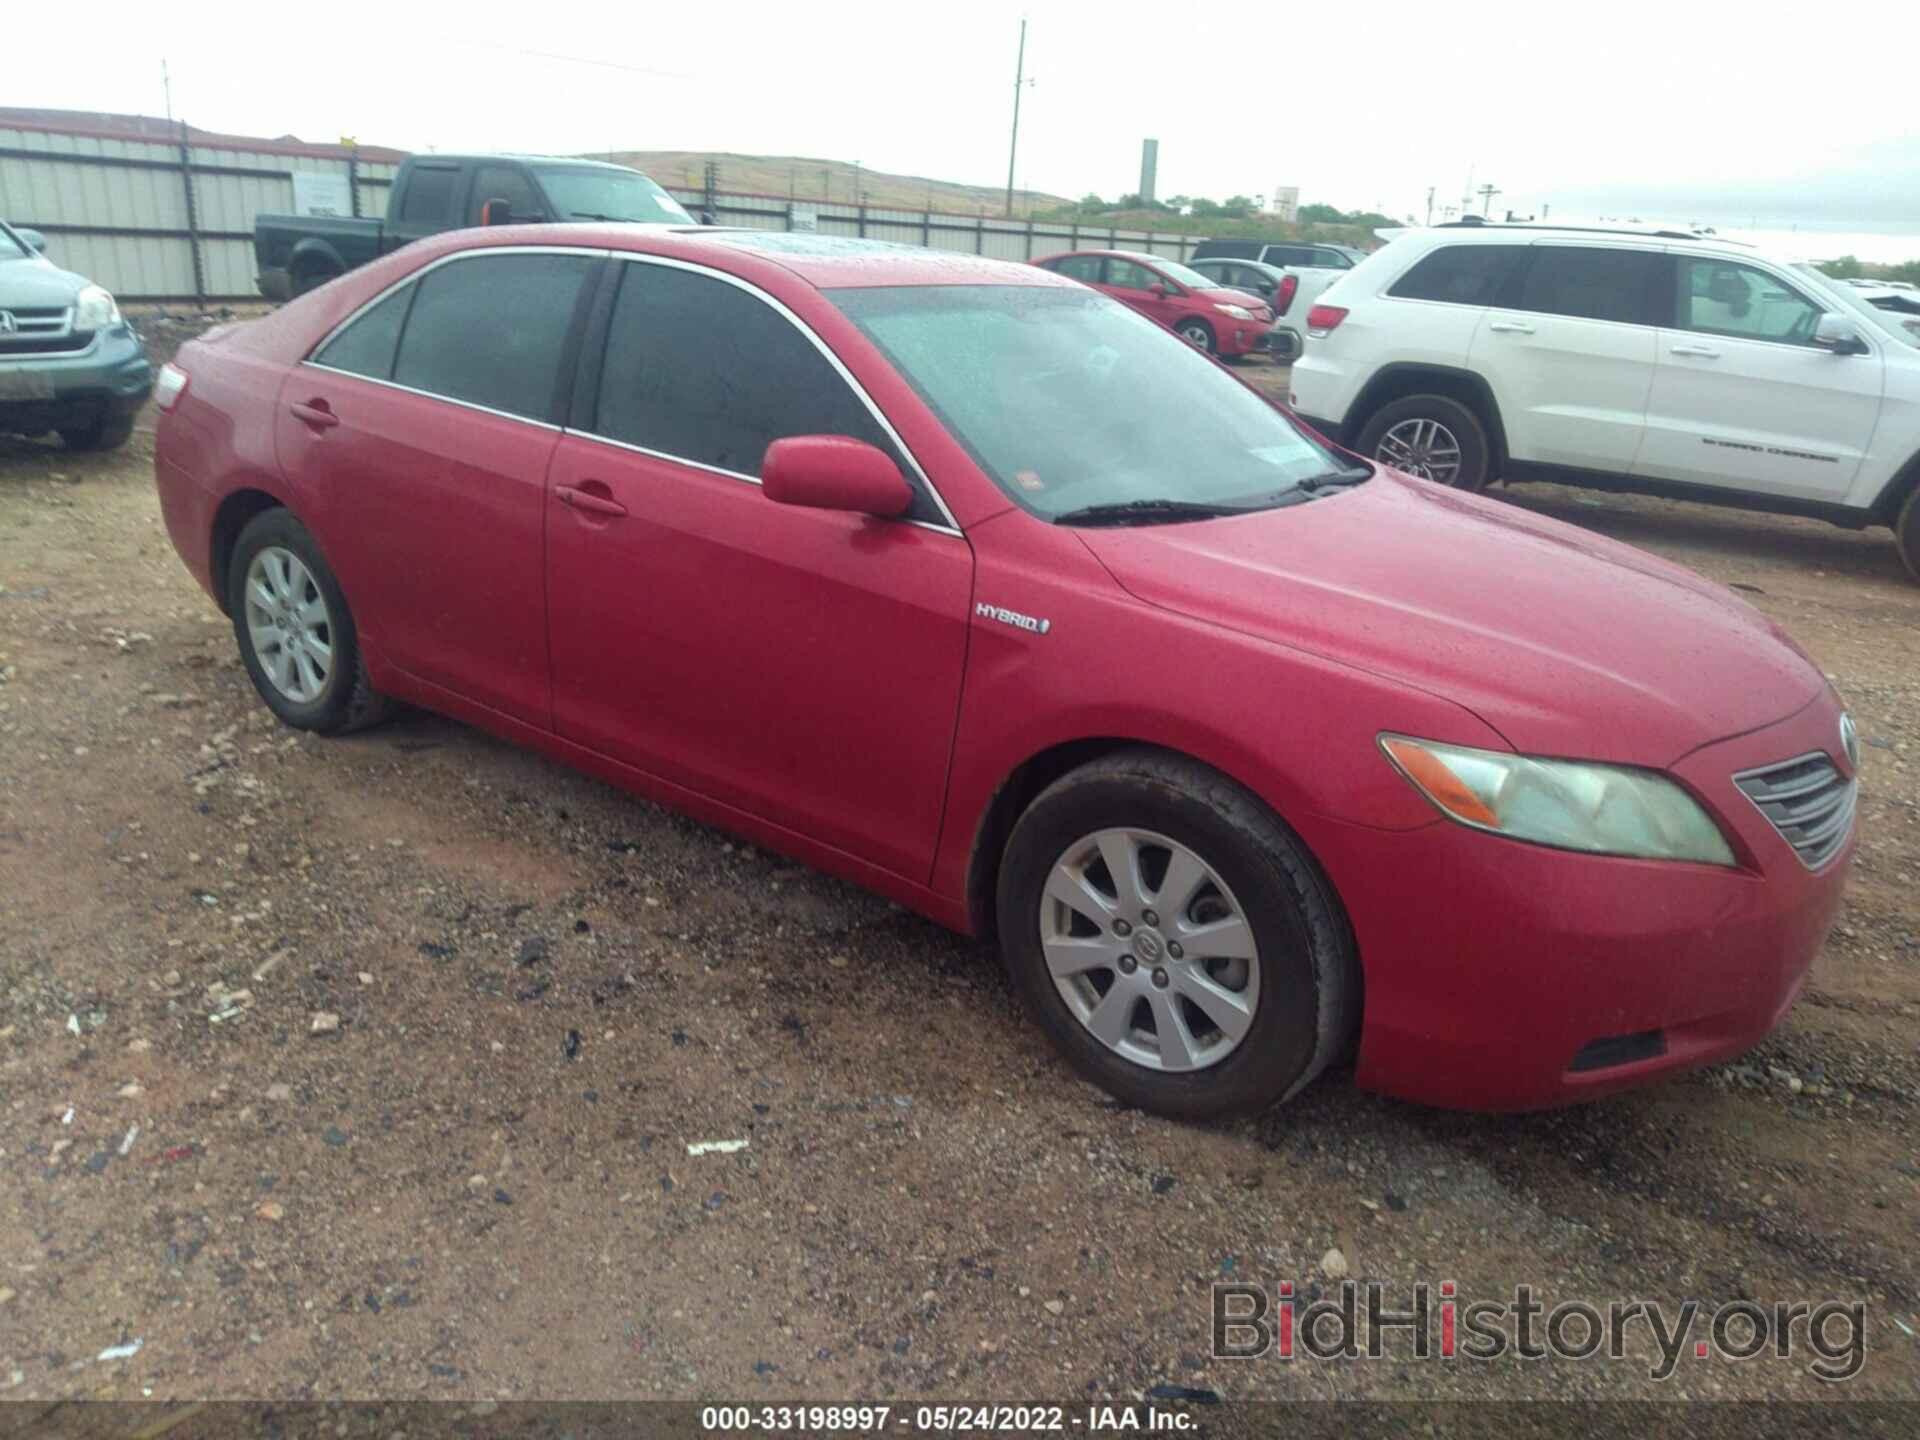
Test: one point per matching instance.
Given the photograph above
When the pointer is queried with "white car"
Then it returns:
(1646, 360)
(1314, 267)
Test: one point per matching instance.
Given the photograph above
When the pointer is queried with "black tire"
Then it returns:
(1197, 333)
(1308, 978)
(1465, 427)
(109, 432)
(1906, 533)
(347, 700)
(305, 280)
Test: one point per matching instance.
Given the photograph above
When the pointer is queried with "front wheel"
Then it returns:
(1196, 333)
(1431, 436)
(296, 634)
(1174, 939)
(106, 433)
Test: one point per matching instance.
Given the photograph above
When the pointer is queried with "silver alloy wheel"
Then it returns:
(1150, 950)
(1421, 447)
(1196, 335)
(288, 622)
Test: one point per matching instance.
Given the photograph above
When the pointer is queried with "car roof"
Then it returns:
(571, 162)
(827, 262)
(1493, 234)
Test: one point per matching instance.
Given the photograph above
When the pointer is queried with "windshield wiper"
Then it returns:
(589, 215)
(1145, 512)
(1333, 480)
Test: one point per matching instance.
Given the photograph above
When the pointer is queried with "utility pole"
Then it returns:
(1486, 193)
(1430, 204)
(1019, 82)
(166, 84)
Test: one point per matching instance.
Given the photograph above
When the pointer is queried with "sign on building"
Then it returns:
(1285, 203)
(803, 217)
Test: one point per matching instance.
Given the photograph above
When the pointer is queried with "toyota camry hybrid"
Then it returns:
(972, 585)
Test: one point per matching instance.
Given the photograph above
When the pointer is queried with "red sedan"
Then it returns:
(1196, 307)
(970, 585)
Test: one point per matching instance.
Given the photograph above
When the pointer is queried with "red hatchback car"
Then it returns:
(1196, 307)
(966, 583)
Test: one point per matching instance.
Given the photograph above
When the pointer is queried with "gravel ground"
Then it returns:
(369, 1067)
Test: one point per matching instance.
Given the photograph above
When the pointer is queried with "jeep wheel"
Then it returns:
(1430, 436)
(1906, 533)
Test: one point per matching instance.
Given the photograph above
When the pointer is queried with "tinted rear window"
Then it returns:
(428, 195)
(1460, 274)
(1590, 282)
(366, 346)
(490, 330)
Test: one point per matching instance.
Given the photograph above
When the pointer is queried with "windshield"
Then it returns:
(610, 195)
(1069, 399)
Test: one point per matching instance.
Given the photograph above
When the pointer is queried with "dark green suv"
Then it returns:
(69, 361)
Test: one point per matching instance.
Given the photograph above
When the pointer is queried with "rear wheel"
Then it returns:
(1196, 333)
(1431, 436)
(1174, 939)
(1906, 533)
(313, 278)
(109, 432)
(296, 634)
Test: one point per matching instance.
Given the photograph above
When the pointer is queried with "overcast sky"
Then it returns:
(1687, 111)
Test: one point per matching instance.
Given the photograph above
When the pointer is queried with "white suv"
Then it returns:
(1654, 361)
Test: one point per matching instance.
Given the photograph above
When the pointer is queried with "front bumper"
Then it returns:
(108, 380)
(1506, 976)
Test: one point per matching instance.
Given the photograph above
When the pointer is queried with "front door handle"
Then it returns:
(1704, 352)
(595, 501)
(316, 414)
(1509, 327)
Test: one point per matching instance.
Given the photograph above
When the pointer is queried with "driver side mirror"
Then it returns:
(1157, 290)
(1837, 333)
(36, 242)
(497, 212)
(834, 472)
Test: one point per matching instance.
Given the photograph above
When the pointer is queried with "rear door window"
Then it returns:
(701, 370)
(1591, 283)
(491, 330)
(429, 195)
(367, 345)
(1084, 268)
(1460, 274)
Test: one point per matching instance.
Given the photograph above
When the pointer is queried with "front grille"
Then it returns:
(1808, 801)
(40, 330)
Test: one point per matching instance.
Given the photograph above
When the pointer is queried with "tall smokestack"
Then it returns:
(1149, 166)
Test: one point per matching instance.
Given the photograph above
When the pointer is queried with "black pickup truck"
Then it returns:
(432, 193)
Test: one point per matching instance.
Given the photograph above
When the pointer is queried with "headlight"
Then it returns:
(1601, 809)
(95, 310)
(1238, 312)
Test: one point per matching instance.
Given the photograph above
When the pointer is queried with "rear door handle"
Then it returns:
(316, 413)
(1509, 327)
(583, 499)
(1705, 352)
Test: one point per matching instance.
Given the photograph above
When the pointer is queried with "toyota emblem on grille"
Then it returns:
(8, 325)
(1850, 741)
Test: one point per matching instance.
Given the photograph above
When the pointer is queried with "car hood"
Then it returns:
(1566, 643)
(34, 282)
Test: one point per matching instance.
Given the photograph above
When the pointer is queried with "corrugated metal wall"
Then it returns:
(997, 239)
(117, 211)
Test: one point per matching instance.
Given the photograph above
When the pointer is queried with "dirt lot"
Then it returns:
(479, 1184)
